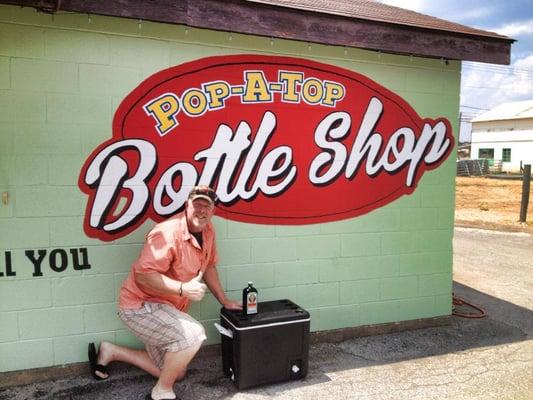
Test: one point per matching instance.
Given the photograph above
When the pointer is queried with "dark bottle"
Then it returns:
(249, 299)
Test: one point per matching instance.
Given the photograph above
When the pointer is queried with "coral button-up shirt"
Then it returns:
(171, 250)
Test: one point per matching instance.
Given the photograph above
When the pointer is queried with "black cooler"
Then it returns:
(271, 346)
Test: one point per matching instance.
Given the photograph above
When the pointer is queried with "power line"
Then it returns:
(482, 87)
(520, 72)
(495, 67)
(500, 70)
(508, 73)
(475, 108)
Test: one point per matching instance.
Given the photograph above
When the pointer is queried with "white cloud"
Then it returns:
(487, 86)
(516, 28)
(468, 16)
(525, 63)
(415, 5)
(450, 10)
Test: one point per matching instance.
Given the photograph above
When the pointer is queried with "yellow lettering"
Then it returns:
(256, 87)
(194, 102)
(289, 79)
(312, 91)
(334, 92)
(164, 110)
(218, 91)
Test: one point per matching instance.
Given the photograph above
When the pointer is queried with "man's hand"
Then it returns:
(232, 305)
(213, 282)
(194, 289)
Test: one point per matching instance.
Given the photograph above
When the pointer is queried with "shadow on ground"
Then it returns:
(505, 323)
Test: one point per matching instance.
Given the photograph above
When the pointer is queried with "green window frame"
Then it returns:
(506, 155)
(486, 153)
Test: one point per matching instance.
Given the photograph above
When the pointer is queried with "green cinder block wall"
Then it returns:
(61, 79)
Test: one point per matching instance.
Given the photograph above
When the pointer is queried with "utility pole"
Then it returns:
(526, 181)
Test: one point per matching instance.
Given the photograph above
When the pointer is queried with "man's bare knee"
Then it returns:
(193, 349)
(197, 330)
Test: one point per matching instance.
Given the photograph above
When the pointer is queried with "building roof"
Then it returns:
(364, 24)
(375, 11)
(513, 110)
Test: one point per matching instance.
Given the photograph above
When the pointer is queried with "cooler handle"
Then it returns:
(223, 331)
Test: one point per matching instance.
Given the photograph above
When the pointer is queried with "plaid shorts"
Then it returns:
(163, 328)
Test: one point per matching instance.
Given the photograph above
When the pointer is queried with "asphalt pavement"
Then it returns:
(488, 358)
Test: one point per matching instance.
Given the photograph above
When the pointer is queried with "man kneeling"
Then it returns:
(178, 254)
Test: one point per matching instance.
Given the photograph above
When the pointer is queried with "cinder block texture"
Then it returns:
(22, 106)
(10, 328)
(25, 295)
(60, 83)
(5, 76)
(26, 354)
(83, 290)
(50, 322)
(46, 76)
(70, 349)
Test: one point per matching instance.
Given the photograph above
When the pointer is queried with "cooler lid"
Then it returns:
(276, 312)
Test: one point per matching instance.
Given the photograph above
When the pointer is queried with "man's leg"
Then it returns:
(110, 352)
(175, 367)
(172, 338)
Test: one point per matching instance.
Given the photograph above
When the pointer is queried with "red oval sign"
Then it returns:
(282, 140)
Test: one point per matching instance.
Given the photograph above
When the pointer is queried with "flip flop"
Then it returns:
(93, 362)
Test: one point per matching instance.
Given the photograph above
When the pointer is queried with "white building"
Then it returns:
(505, 135)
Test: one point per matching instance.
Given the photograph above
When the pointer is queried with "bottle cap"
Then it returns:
(250, 283)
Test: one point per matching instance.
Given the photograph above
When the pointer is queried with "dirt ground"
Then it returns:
(491, 203)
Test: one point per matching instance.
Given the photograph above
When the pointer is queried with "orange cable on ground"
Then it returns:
(457, 301)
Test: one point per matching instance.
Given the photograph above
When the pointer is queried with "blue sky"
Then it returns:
(484, 86)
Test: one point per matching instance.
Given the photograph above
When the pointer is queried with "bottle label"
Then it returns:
(251, 303)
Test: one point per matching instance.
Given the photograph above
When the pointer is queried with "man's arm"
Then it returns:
(162, 284)
(213, 283)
